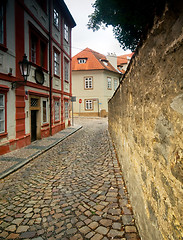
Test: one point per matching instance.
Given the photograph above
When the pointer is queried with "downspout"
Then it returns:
(50, 63)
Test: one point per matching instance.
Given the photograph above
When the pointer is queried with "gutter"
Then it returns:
(50, 63)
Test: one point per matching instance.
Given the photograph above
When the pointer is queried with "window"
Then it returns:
(88, 83)
(57, 112)
(43, 52)
(56, 63)
(1, 23)
(82, 60)
(66, 70)
(55, 18)
(2, 113)
(115, 84)
(66, 110)
(104, 61)
(33, 48)
(88, 104)
(38, 49)
(34, 102)
(44, 111)
(66, 32)
(109, 85)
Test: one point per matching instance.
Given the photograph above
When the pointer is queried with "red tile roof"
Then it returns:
(94, 61)
(121, 70)
(123, 59)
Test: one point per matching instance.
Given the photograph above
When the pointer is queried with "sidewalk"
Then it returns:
(14, 160)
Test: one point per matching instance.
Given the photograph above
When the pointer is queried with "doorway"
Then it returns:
(33, 125)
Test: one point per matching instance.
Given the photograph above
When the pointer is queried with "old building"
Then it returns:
(94, 81)
(123, 61)
(38, 105)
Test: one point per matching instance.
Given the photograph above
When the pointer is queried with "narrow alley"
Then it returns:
(73, 191)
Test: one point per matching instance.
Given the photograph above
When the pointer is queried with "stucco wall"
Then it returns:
(146, 125)
(99, 91)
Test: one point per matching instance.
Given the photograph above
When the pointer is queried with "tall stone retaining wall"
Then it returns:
(146, 125)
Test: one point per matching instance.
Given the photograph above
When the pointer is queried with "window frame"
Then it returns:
(109, 83)
(87, 104)
(3, 108)
(46, 113)
(88, 83)
(33, 48)
(66, 32)
(66, 115)
(40, 42)
(4, 90)
(56, 101)
(82, 61)
(56, 18)
(66, 70)
(115, 84)
(56, 63)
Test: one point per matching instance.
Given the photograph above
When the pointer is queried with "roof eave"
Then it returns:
(67, 13)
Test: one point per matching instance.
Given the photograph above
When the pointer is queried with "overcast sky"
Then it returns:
(101, 41)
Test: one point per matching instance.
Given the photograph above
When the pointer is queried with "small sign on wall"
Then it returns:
(73, 99)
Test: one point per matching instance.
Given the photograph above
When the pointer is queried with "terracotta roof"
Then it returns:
(94, 61)
(121, 70)
(123, 59)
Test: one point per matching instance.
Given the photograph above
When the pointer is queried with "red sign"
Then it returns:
(80, 100)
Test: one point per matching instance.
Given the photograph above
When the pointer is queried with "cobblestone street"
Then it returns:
(73, 191)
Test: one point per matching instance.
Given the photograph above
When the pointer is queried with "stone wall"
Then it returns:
(146, 125)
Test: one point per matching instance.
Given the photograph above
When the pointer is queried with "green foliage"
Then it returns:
(130, 18)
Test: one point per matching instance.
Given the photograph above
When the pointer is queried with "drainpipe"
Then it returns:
(50, 62)
(98, 106)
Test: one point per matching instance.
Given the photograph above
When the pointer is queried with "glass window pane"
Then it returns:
(66, 110)
(108, 82)
(2, 126)
(1, 114)
(57, 110)
(42, 54)
(56, 63)
(66, 70)
(66, 34)
(1, 100)
(33, 48)
(55, 18)
(44, 112)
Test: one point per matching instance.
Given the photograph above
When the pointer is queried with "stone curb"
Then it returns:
(21, 164)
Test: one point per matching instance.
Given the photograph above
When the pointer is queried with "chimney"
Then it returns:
(112, 58)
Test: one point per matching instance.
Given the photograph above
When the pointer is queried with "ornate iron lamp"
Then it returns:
(25, 71)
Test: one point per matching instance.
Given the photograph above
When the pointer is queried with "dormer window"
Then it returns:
(82, 60)
(104, 61)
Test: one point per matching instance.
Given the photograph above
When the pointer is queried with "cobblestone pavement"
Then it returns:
(14, 160)
(73, 191)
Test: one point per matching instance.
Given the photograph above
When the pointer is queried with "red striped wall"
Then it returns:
(19, 48)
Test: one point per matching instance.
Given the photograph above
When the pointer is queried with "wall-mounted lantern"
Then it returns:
(25, 66)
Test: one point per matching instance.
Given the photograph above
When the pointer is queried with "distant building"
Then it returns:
(123, 61)
(94, 81)
(40, 106)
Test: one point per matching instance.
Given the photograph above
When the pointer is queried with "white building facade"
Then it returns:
(95, 80)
